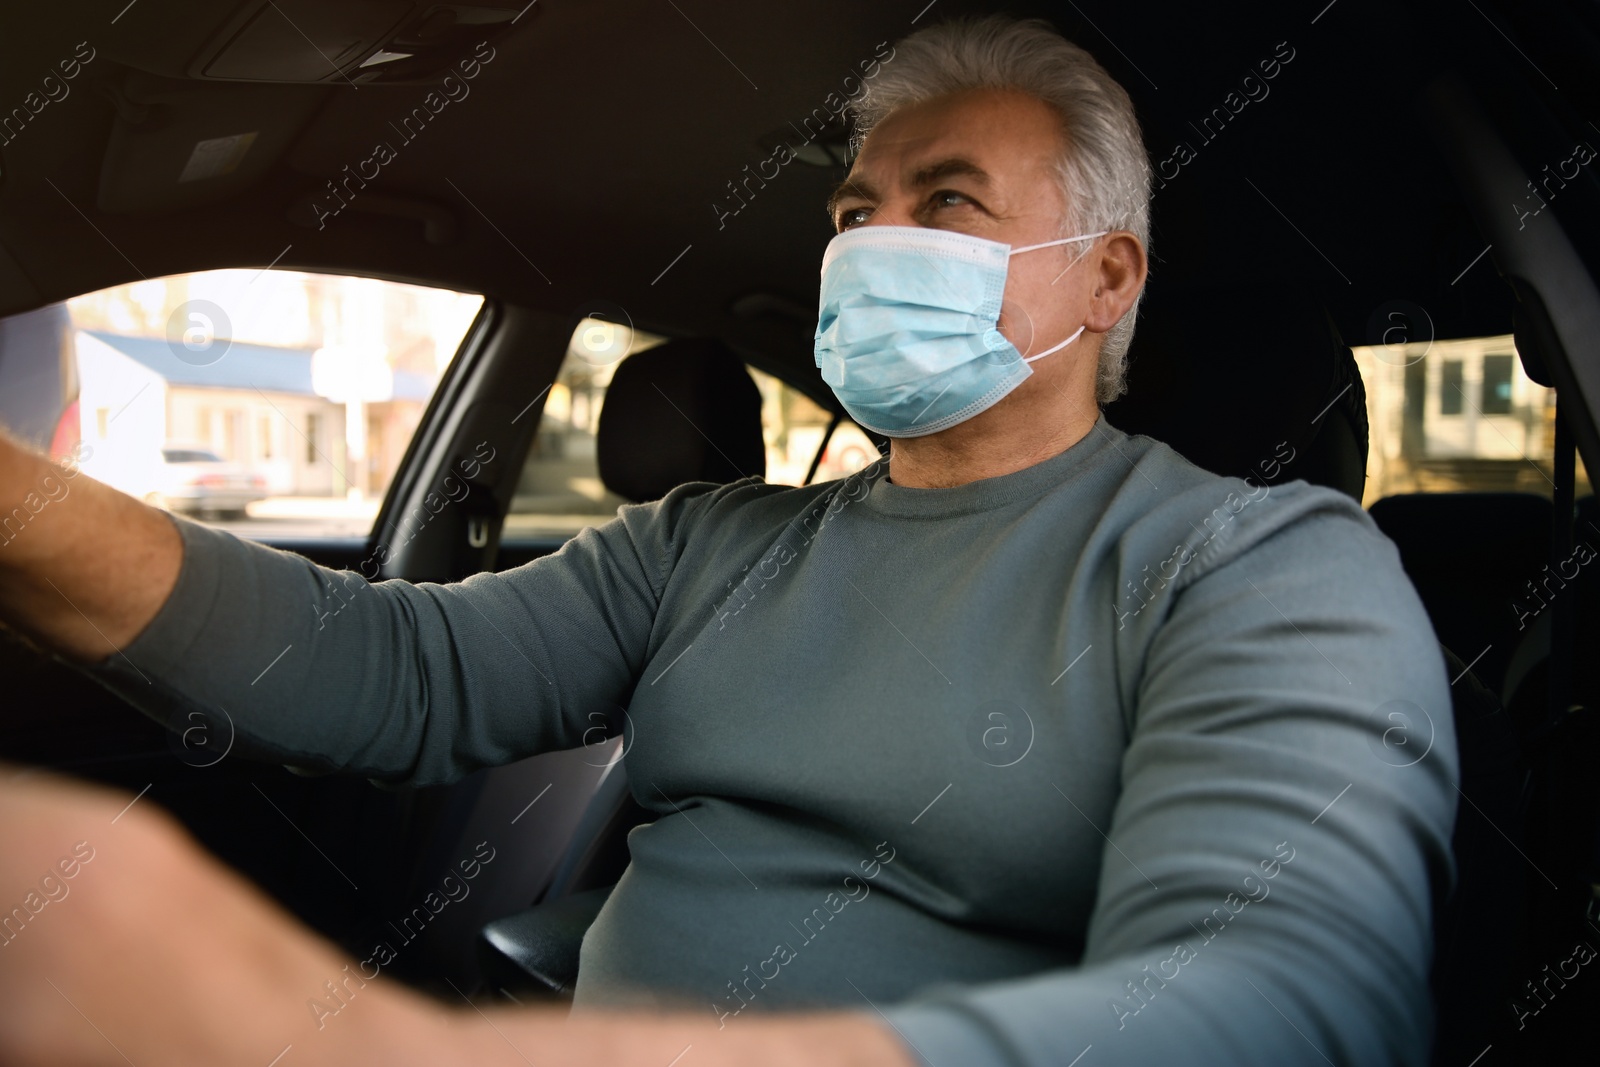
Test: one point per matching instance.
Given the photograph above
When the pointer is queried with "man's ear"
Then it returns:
(1119, 272)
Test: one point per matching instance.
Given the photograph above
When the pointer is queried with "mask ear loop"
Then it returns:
(1046, 244)
(1075, 334)
(1076, 259)
(1059, 241)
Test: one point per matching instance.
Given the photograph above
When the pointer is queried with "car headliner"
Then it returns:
(586, 162)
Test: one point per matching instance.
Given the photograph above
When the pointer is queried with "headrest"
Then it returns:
(684, 411)
(1259, 386)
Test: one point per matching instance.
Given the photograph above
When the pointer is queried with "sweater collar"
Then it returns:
(987, 494)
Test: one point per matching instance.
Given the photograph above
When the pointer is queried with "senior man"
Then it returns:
(1035, 744)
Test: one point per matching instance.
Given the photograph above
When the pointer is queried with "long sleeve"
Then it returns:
(400, 682)
(1281, 838)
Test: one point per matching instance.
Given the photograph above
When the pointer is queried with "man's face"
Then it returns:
(981, 162)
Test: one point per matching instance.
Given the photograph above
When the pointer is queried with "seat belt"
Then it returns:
(1566, 724)
(1563, 608)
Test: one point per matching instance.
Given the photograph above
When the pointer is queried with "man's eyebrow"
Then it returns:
(922, 177)
(857, 188)
(954, 167)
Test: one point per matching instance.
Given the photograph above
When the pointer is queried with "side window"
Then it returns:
(795, 426)
(1457, 415)
(560, 491)
(275, 403)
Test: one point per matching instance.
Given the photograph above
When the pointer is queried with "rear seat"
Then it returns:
(1471, 555)
(1577, 577)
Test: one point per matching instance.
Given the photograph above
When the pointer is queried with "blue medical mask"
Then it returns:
(907, 332)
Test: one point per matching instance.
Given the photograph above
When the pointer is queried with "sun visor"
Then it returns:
(310, 42)
(351, 42)
(303, 41)
(178, 143)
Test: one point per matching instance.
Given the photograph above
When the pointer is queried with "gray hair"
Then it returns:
(1104, 171)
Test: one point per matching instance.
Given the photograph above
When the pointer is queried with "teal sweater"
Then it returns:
(1108, 754)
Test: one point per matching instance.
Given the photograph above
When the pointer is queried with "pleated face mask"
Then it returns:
(907, 333)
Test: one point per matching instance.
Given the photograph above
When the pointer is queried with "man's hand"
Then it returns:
(89, 567)
(121, 940)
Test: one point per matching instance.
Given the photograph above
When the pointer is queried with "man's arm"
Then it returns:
(1283, 832)
(91, 567)
(313, 667)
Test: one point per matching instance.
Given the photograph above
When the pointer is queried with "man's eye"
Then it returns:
(852, 216)
(948, 198)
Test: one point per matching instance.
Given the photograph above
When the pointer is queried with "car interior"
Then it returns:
(1405, 176)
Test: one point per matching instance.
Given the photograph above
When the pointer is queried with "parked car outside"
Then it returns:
(197, 481)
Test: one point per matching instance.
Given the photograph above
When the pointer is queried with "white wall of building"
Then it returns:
(295, 441)
(128, 412)
(122, 405)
